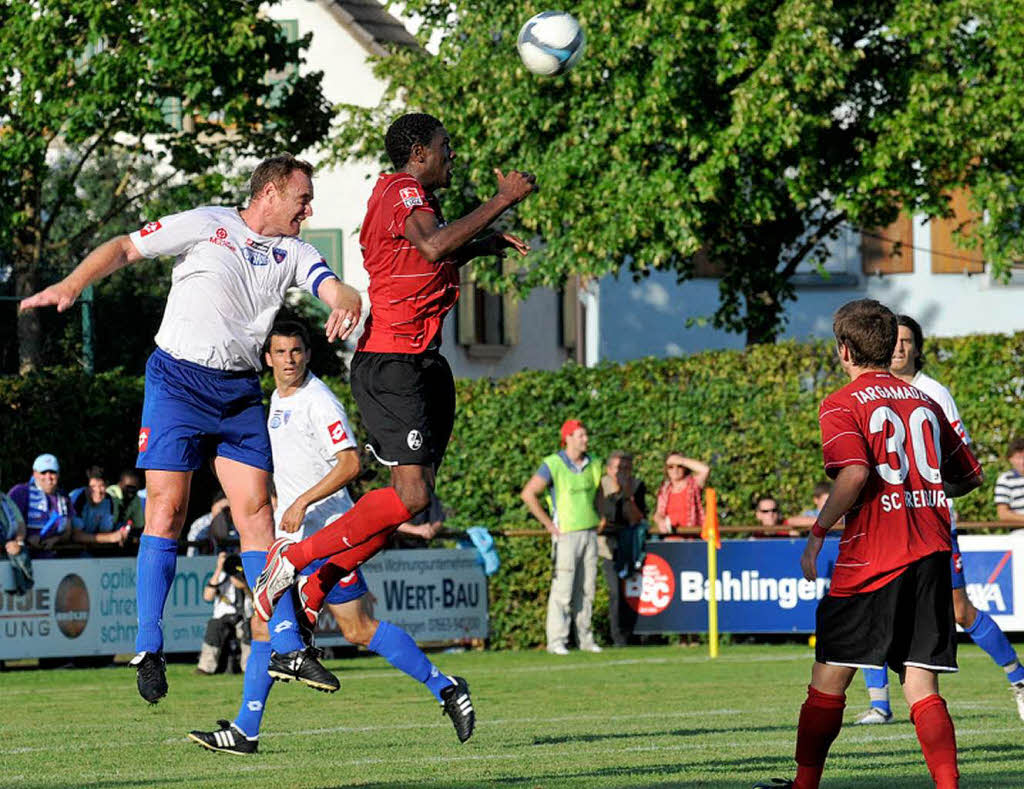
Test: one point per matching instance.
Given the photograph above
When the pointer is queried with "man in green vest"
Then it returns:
(574, 478)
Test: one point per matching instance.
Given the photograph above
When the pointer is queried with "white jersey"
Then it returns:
(307, 429)
(944, 399)
(227, 285)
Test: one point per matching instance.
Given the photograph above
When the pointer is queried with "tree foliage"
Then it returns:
(750, 130)
(159, 99)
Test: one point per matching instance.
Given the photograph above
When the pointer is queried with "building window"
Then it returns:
(888, 250)
(949, 256)
(486, 319)
(328, 242)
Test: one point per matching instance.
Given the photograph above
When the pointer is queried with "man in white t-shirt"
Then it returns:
(907, 361)
(203, 399)
(315, 457)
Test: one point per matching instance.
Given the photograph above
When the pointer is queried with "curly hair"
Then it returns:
(407, 131)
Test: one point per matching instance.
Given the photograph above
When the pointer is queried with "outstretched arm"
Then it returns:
(345, 307)
(107, 258)
(439, 243)
(344, 471)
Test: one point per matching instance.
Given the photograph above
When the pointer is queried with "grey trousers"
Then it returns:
(572, 587)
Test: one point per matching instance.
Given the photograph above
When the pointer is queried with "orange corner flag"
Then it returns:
(709, 531)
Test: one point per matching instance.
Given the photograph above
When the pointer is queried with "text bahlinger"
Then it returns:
(750, 587)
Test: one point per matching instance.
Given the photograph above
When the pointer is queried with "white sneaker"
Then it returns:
(558, 649)
(592, 648)
(874, 715)
(1018, 693)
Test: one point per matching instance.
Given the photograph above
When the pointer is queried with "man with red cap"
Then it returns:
(574, 479)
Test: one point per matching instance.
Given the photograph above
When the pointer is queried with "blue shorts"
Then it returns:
(351, 587)
(956, 564)
(193, 413)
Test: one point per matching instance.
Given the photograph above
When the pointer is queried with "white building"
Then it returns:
(946, 289)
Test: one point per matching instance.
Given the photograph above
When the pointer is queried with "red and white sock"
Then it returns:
(938, 740)
(821, 718)
(338, 566)
(377, 511)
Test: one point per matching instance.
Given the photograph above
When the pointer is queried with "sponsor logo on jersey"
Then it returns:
(650, 591)
(275, 420)
(337, 432)
(143, 439)
(279, 254)
(220, 238)
(349, 579)
(414, 440)
(149, 227)
(255, 257)
(411, 196)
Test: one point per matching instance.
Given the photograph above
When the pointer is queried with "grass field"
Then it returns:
(637, 717)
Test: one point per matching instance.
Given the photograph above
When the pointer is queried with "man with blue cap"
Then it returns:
(45, 508)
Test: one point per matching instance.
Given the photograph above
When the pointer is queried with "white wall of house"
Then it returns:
(649, 318)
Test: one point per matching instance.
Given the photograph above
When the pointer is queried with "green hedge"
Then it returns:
(752, 414)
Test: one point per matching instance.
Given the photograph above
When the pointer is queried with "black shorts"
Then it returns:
(908, 622)
(407, 404)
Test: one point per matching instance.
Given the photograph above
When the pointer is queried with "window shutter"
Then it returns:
(948, 256)
(889, 250)
(466, 314)
(328, 242)
(510, 310)
(569, 308)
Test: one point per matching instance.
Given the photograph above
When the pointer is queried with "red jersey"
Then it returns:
(902, 515)
(409, 296)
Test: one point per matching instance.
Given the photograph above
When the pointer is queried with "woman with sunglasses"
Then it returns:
(679, 498)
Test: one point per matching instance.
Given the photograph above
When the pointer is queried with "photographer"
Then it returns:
(232, 608)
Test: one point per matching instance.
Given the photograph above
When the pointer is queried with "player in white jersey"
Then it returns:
(315, 457)
(907, 361)
(203, 399)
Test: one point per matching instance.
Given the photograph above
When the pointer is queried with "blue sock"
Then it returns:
(987, 635)
(397, 647)
(154, 574)
(256, 688)
(877, 680)
(284, 632)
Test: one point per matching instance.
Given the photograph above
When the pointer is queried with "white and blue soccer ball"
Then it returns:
(550, 43)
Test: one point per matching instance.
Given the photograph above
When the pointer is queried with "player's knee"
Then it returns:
(165, 515)
(260, 631)
(415, 496)
(359, 631)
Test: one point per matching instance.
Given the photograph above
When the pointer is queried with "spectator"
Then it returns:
(95, 514)
(223, 533)
(574, 478)
(769, 516)
(232, 608)
(44, 507)
(12, 536)
(198, 537)
(808, 517)
(679, 497)
(1010, 485)
(133, 505)
(621, 503)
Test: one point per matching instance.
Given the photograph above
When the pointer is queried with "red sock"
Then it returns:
(938, 740)
(374, 512)
(340, 565)
(821, 718)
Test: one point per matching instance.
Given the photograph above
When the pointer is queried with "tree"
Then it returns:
(174, 92)
(748, 132)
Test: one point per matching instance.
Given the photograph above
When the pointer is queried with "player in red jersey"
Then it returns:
(401, 382)
(896, 461)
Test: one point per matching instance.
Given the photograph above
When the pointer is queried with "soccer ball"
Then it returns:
(550, 43)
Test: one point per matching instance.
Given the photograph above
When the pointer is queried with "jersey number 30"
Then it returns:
(894, 444)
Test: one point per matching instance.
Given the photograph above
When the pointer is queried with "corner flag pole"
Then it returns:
(709, 532)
